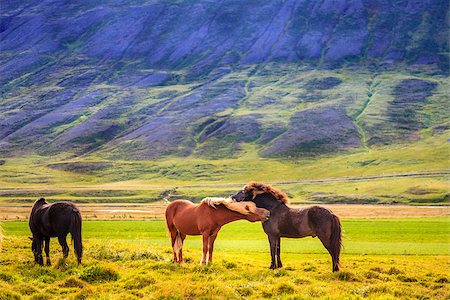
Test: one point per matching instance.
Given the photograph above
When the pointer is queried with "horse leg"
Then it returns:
(279, 264)
(205, 247)
(212, 238)
(273, 248)
(47, 250)
(38, 256)
(63, 243)
(180, 253)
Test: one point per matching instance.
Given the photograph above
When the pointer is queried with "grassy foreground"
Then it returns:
(383, 258)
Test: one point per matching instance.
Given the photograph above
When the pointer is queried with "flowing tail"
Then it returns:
(178, 244)
(327, 227)
(75, 231)
(175, 236)
(336, 242)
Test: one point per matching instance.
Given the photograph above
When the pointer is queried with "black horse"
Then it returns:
(55, 220)
(293, 223)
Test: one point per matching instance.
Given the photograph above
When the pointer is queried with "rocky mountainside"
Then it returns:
(144, 79)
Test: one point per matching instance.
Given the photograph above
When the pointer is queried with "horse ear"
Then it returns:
(30, 238)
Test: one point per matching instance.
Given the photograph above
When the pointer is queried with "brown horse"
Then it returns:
(186, 218)
(293, 223)
(55, 220)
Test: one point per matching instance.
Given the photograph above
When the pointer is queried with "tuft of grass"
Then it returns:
(147, 254)
(72, 282)
(139, 282)
(403, 278)
(98, 274)
(8, 295)
(393, 271)
(229, 264)
(285, 289)
(345, 276)
(41, 296)
(442, 280)
(85, 293)
(6, 277)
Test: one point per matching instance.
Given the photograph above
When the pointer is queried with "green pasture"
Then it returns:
(421, 236)
(325, 179)
(382, 258)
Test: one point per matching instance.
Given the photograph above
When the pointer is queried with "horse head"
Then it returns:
(242, 195)
(254, 213)
(39, 203)
(261, 214)
(262, 194)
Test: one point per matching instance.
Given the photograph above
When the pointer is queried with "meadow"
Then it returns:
(414, 174)
(390, 258)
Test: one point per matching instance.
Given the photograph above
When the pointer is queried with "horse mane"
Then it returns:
(241, 207)
(258, 188)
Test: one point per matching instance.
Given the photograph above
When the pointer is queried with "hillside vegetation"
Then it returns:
(413, 173)
(142, 80)
(100, 99)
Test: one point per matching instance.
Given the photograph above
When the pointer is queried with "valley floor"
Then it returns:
(388, 258)
(155, 211)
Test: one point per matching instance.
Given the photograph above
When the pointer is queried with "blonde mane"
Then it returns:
(258, 188)
(241, 207)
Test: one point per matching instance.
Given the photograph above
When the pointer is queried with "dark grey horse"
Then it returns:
(293, 223)
(55, 220)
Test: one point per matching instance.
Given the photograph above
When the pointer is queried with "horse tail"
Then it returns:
(174, 234)
(75, 231)
(336, 241)
(178, 243)
(327, 227)
(169, 216)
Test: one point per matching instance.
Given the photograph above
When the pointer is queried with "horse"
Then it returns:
(293, 223)
(206, 219)
(55, 220)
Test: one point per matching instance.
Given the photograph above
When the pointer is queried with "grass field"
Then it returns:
(415, 173)
(382, 258)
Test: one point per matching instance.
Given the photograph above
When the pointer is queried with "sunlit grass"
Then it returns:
(401, 258)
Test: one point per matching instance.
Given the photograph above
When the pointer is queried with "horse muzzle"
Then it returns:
(239, 196)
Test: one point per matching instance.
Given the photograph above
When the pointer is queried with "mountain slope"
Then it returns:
(145, 79)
